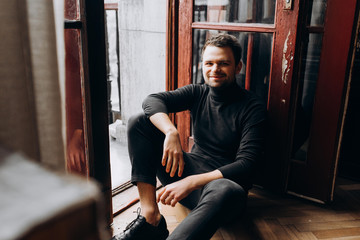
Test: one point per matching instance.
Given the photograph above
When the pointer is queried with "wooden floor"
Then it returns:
(280, 217)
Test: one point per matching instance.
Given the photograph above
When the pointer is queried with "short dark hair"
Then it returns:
(225, 40)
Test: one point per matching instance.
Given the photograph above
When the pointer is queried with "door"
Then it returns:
(275, 35)
(267, 31)
(86, 94)
(319, 114)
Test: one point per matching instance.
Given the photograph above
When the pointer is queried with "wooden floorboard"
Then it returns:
(271, 216)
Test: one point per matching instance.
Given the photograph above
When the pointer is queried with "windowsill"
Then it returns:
(126, 199)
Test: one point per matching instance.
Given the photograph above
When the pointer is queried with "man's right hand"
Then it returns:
(172, 152)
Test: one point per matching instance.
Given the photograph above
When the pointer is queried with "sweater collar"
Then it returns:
(224, 94)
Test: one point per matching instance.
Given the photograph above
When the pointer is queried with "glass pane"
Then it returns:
(317, 12)
(76, 151)
(119, 158)
(349, 166)
(71, 10)
(234, 11)
(308, 80)
(259, 56)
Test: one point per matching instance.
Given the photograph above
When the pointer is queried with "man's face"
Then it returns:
(219, 67)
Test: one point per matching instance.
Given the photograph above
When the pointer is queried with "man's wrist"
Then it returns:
(200, 180)
(194, 182)
(172, 131)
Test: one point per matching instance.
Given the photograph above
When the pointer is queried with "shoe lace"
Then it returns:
(138, 211)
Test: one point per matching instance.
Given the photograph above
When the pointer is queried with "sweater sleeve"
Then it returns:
(178, 100)
(251, 148)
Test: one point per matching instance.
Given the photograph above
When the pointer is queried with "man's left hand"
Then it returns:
(174, 192)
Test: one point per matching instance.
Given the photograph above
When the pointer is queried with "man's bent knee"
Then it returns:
(226, 191)
(134, 120)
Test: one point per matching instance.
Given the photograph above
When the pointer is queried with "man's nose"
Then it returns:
(215, 68)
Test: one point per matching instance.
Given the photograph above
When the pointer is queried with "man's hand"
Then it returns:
(76, 153)
(172, 154)
(174, 192)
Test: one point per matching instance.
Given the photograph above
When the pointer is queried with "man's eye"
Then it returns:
(208, 64)
(224, 63)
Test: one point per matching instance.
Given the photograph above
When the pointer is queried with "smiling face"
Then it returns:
(219, 68)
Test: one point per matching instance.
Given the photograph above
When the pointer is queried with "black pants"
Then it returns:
(217, 203)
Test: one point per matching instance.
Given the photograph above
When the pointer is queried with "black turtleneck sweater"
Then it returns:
(228, 126)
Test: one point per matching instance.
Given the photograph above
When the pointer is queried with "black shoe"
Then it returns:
(139, 229)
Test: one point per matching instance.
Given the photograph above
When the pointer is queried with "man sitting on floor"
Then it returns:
(214, 178)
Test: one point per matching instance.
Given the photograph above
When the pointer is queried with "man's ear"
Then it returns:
(238, 67)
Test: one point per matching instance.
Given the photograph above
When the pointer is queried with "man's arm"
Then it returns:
(177, 100)
(172, 153)
(174, 192)
(251, 148)
(173, 159)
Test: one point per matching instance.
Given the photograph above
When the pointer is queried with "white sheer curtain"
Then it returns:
(32, 80)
